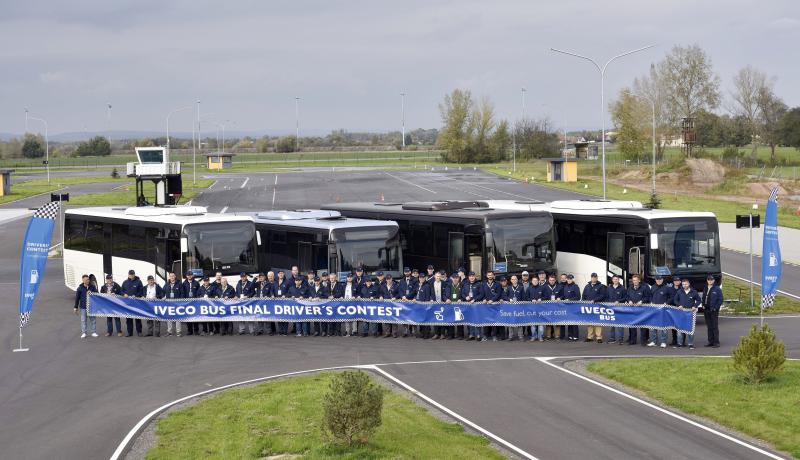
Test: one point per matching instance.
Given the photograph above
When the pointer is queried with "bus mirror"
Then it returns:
(653, 241)
(258, 237)
(184, 245)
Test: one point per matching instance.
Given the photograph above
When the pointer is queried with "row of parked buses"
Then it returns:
(508, 237)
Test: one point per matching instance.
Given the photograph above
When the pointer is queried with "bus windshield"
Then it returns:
(523, 243)
(228, 247)
(685, 246)
(374, 248)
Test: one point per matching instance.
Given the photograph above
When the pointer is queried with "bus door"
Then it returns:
(615, 259)
(455, 250)
(174, 261)
(474, 245)
(304, 256)
(635, 245)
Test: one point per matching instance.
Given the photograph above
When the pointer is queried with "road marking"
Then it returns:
(245, 182)
(408, 182)
(497, 190)
(449, 412)
(212, 185)
(661, 409)
(759, 285)
(274, 191)
(223, 210)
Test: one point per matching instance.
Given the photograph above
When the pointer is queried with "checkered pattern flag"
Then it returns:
(48, 211)
(24, 318)
(767, 301)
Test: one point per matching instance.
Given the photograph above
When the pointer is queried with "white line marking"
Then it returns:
(223, 210)
(128, 437)
(662, 410)
(276, 179)
(449, 412)
(212, 185)
(245, 182)
(189, 203)
(759, 285)
(500, 191)
(408, 182)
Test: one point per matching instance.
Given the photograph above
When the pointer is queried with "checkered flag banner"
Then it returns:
(48, 211)
(771, 253)
(33, 260)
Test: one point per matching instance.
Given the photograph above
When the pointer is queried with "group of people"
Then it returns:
(429, 285)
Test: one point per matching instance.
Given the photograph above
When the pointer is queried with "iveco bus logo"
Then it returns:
(604, 313)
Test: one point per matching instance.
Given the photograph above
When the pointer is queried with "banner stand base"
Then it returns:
(20, 343)
(20, 349)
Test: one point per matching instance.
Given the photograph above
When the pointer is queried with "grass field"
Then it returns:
(25, 190)
(127, 197)
(285, 417)
(735, 289)
(707, 387)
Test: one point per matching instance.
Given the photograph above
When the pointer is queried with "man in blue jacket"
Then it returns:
(712, 301)
(594, 291)
(660, 294)
(551, 291)
(638, 293)
(572, 293)
(616, 293)
(263, 288)
(534, 294)
(132, 287)
(492, 292)
(190, 288)
(440, 292)
(152, 291)
(173, 290)
(112, 288)
(207, 291)
(88, 323)
(244, 290)
(687, 298)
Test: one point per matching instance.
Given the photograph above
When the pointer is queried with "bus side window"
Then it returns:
(75, 234)
(94, 237)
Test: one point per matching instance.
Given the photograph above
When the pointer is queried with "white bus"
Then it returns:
(324, 241)
(623, 238)
(155, 241)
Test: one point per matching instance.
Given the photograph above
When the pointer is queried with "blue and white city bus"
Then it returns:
(155, 241)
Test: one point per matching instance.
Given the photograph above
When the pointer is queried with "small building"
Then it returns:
(219, 160)
(5, 181)
(562, 169)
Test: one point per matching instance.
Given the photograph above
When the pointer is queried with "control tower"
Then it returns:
(153, 165)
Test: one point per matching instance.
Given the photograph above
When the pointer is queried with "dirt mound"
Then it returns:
(705, 171)
(633, 174)
(763, 189)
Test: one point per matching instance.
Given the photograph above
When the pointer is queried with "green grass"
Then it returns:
(285, 417)
(708, 387)
(726, 211)
(25, 190)
(735, 289)
(127, 196)
(61, 181)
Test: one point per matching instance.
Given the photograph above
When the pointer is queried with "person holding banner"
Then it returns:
(492, 292)
(299, 291)
(224, 291)
(712, 301)
(319, 291)
(190, 287)
(244, 289)
(661, 294)
(687, 298)
(534, 294)
(572, 293)
(88, 324)
(263, 289)
(110, 287)
(389, 290)
(551, 291)
(132, 287)
(638, 293)
(348, 290)
(616, 293)
(173, 290)
(207, 291)
(153, 291)
(515, 293)
(594, 291)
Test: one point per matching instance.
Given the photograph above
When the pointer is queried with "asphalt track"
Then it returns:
(70, 398)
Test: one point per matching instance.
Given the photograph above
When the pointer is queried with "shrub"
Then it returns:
(759, 355)
(352, 407)
(655, 201)
(115, 173)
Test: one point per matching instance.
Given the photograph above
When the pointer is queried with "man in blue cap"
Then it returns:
(244, 290)
(712, 301)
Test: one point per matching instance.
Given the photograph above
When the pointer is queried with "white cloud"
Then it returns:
(785, 23)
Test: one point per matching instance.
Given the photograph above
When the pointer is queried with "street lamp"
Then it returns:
(169, 115)
(297, 124)
(602, 71)
(46, 142)
(523, 102)
(194, 149)
(108, 121)
(403, 117)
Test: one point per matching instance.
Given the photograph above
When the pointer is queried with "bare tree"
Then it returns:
(748, 84)
(652, 87)
(690, 82)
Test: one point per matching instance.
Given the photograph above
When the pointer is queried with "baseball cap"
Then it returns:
(374, 279)
(502, 278)
(542, 272)
(430, 267)
(189, 272)
(150, 277)
(415, 271)
(388, 276)
(460, 269)
(380, 273)
(324, 274)
(316, 278)
(659, 277)
(710, 277)
(131, 272)
(594, 275)
(454, 275)
(242, 274)
(205, 278)
(471, 273)
(525, 273)
(359, 269)
(570, 276)
(109, 277)
(406, 270)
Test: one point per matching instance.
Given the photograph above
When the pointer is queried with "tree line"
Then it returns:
(684, 85)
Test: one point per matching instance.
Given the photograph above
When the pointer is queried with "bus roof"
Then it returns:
(612, 208)
(176, 215)
(469, 210)
(314, 219)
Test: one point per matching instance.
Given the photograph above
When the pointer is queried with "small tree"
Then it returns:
(759, 355)
(352, 407)
(115, 173)
(655, 201)
(32, 147)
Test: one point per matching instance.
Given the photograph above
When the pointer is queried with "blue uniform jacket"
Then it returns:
(298, 292)
(81, 293)
(319, 292)
(173, 291)
(132, 287)
(190, 288)
(368, 292)
(689, 299)
(245, 288)
(472, 291)
(445, 290)
(228, 292)
(661, 294)
(210, 291)
(642, 294)
(408, 287)
(515, 293)
(264, 289)
(114, 289)
(616, 293)
(534, 292)
(572, 292)
(594, 292)
(389, 292)
(424, 293)
(550, 292)
(712, 299)
(492, 292)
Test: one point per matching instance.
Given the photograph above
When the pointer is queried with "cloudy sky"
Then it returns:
(350, 60)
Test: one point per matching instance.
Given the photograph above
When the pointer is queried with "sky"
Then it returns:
(348, 61)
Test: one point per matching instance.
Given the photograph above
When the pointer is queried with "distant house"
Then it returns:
(219, 160)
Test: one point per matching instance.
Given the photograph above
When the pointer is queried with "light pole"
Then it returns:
(108, 121)
(403, 118)
(296, 124)
(523, 102)
(652, 102)
(26, 120)
(46, 143)
(169, 115)
(194, 149)
(602, 71)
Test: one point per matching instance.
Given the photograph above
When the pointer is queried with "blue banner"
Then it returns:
(33, 259)
(771, 253)
(388, 311)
